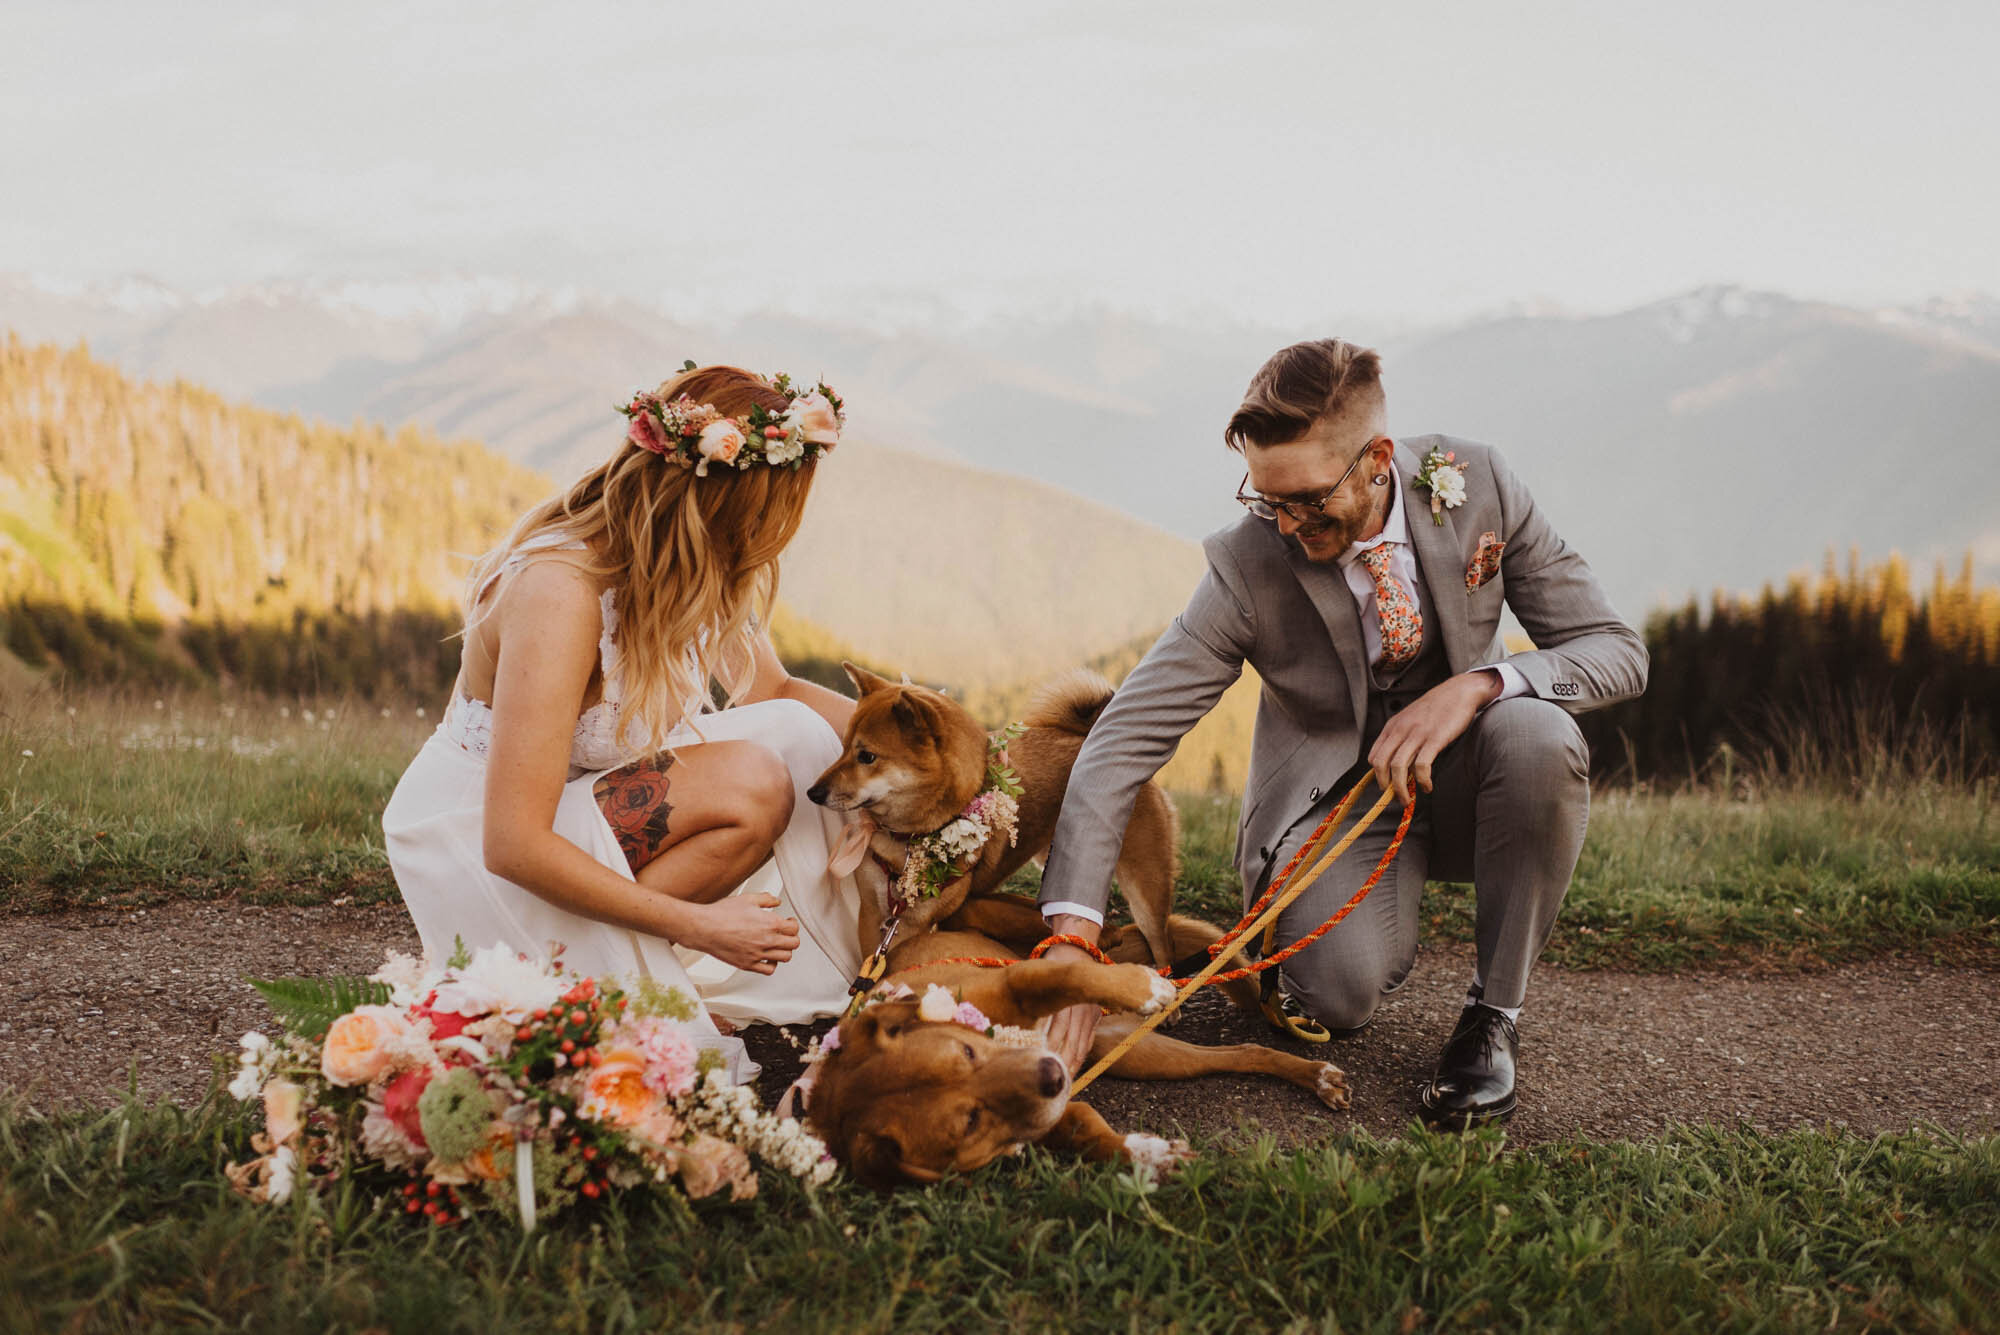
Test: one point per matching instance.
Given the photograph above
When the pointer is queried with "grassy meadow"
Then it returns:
(119, 1219)
(128, 798)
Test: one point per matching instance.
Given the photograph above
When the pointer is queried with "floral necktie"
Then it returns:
(1402, 625)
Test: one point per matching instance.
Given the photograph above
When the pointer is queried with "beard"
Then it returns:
(1327, 541)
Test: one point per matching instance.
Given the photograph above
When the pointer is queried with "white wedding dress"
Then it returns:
(433, 828)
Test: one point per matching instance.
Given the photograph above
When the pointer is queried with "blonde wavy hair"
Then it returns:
(692, 561)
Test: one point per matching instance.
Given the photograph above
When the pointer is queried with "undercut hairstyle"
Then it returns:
(1305, 384)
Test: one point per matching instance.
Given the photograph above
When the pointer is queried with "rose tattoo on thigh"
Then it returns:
(634, 801)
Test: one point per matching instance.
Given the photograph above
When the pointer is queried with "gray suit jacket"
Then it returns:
(1261, 602)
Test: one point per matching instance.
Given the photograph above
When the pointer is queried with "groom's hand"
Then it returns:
(1411, 740)
(1071, 1029)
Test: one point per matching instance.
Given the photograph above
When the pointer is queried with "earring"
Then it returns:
(1381, 479)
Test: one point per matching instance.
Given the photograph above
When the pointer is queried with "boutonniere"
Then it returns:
(1444, 476)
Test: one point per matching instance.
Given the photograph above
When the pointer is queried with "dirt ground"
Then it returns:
(92, 999)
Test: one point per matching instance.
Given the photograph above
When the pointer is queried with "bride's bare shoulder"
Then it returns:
(548, 593)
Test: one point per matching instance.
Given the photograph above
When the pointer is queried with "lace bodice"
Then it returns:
(594, 745)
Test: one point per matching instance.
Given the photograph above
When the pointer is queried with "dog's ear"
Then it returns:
(876, 1160)
(864, 681)
(916, 716)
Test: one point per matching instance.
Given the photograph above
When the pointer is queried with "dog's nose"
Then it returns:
(1054, 1076)
(818, 794)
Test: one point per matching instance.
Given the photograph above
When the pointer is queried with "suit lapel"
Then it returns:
(1440, 558)
(1328, 590)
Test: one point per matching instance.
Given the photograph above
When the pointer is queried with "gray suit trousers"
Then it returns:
(1507, 811)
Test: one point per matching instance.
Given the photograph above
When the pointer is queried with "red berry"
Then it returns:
(412, 1207)
(523, 1034)
(592, 1190)
(542, 1014)
(589, 1152)
(568, 1046)
(433, 1189)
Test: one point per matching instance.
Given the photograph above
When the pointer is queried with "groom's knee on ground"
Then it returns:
(1343, 1000)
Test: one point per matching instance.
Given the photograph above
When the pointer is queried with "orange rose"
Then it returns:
(721, 441)
(359, 1046)
(615, 1091)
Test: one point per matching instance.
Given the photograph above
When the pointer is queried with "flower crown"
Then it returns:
(695, 435)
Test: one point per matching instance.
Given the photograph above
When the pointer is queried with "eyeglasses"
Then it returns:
(1301, 512)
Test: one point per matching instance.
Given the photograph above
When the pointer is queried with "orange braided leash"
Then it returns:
(1256, 911)
(1269, 916)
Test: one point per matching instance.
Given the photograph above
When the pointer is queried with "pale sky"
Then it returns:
(1272, 162)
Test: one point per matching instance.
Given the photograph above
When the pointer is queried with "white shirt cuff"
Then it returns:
(1055, 906)
(1512, 683)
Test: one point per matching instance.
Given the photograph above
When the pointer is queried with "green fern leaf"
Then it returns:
(309, 1006)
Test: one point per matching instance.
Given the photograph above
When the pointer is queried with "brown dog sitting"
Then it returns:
(913, 761)
(904, 1095)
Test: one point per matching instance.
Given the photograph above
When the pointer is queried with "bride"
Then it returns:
(581, 789)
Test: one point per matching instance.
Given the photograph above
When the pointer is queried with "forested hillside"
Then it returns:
(166, 501)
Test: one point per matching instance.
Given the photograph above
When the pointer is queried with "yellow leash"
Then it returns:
(1267, 920)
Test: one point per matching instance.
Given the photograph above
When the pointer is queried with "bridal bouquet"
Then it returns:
(500, 1082)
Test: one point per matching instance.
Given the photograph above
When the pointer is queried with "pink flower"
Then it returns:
(721, 441)
(972, 1017)
(444, 1024)
(283, 1105)
(399, 1104)
(646, 432)
(668, 1053)
(814, 414)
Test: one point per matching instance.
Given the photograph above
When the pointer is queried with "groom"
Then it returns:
(1365, 586)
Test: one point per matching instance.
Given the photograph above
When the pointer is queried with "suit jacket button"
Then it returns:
(1314, 797)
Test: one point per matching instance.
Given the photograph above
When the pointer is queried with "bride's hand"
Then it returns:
(742, 932)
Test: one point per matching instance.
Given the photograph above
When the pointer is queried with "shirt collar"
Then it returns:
(1394, 529)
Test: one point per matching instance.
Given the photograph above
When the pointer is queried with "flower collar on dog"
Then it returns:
(937, 1006)
(1444, 477)
(937, 859)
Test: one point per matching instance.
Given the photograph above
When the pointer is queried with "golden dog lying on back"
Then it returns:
(899, 1098)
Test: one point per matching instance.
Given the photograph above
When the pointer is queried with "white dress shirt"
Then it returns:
(1403, 565)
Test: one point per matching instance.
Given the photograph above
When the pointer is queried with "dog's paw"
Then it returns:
(1332, 1086)
(1160, 996)
(1154, 1155)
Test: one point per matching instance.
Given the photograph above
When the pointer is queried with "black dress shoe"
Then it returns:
(1475, 1073)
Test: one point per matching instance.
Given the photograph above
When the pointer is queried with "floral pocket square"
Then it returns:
(1485, 563)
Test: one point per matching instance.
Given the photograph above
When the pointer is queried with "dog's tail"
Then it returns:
(1070, 703)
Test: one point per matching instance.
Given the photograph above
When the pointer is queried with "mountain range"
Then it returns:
(1716, 439)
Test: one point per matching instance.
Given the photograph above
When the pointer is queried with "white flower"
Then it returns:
(1448, 484)
(784, 449)
(406, 977)
(29, 754)
(279, 1189)
(938, 1005)
(254, 1065)
(247, 1085)
(499, 980)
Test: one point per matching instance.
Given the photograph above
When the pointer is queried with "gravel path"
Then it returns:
(89, 999)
